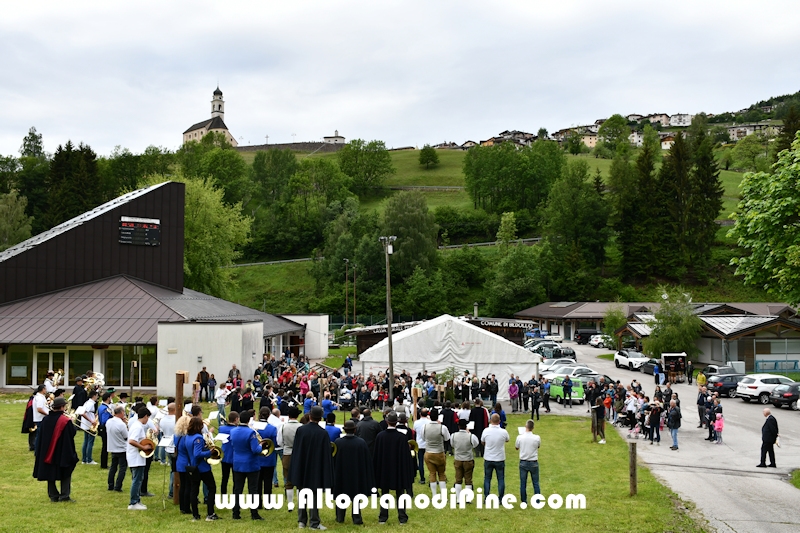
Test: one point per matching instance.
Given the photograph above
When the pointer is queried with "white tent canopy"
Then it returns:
(444, 342)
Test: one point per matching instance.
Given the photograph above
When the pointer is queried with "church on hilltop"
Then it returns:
(215, 123)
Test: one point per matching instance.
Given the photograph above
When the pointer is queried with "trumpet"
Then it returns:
(149, 442)
(216, 451)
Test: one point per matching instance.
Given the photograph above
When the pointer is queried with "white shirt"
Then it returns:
(48, 386)
(419, 425)
(528, 445)
(39, 402)
(153, 409)
(117, 435)
(167, 426)
(494, 439)
(221, 395)
(88, 414)
(463, 414)
(136, 433)
(275, 421)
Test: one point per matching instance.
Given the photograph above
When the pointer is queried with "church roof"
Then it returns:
(217, 91)
(215, 123)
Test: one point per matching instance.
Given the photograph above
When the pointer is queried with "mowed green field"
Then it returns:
(279, 288)
(569, 462)
(449, 173)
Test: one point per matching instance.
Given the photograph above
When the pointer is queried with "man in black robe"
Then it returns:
(393, 466)
(352, 470)
(312, 465)
(368, 428)
(480, 417)
(28, 427)
(450, 421)
(55, 452)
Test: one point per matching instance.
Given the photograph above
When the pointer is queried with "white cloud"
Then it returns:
(135, 74)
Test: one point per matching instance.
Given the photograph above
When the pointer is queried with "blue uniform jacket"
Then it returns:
(227, 447)
(196, 449)
(333, 432)
(269, 432)
(327, 408)
(246, 449)
(183, 456)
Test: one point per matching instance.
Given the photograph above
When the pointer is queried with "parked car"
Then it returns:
(557, 390)
(586, 378)
(550, 352)
(714, 370)
(724, 384)
(601, 341)
(554, 338)
(547, 364)
(582, 336)
(760, 386)
(785, 395)
(630, 359)
(537, 347)
(649, 366)
(571, 371)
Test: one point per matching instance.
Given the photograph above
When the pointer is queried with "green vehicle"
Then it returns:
(557, 390)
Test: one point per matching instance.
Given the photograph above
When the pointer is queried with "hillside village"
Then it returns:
(666, 125)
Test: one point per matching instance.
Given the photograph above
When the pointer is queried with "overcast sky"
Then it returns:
(409, 73)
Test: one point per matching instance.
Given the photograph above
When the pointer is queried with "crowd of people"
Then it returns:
(294, 409)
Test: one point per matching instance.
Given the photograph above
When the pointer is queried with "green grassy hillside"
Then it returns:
(279, 288)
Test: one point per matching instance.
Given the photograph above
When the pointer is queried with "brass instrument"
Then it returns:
(57, 377)
(334, 449)
(412, 444)
(216, 451)
(267, 446)
(150, 441)
(76, 416)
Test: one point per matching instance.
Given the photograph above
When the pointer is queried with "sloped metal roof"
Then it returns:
(732, 324)
(77, 221)
(640, 329)
(119, 310)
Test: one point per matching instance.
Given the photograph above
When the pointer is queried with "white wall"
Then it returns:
(316, 334)
(219, 345)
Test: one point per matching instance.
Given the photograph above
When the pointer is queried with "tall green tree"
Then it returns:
(613, 132)
(676, 196)
(407, 217)
(32, 144)
(791, 125)
(214, 234)
(576, 215)
(766, 229)
(516, 282)
(367, 163)
(508, 231)
(271, 172)
(15, 225)
(425, 295)
(73, 183)
(748, 153)
(613, 319)
(573, 142)
(428, 156)
(706, 206)
(31, 179)
(676, 327)
(9, 167)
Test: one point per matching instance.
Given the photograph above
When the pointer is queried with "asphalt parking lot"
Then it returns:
(721, 480)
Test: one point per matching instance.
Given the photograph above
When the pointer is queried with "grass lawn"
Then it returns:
(409, 172)
(281, 288)
(570, 464)
(336, 356)
(458, 199)
(606, 356)
(796, 478)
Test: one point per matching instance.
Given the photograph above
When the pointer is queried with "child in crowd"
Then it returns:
(719, 424)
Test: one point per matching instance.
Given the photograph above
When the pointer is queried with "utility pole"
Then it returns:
(355, 314)
(387, 251)
(267, 138)
(346, 292)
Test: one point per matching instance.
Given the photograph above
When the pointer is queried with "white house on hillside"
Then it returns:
(681, 119)
(334, 139)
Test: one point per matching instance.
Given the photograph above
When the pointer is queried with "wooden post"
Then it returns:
(181, 377)
(414, 400)
(632, 467)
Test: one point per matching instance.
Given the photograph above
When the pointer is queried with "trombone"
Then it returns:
(267, 446)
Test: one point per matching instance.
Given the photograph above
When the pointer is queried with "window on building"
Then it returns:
(113, 370)
(19, 365)
(79, 362)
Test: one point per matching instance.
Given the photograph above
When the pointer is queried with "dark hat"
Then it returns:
(49, 372)
(111, 389)
(349, 426)
(59, 402)
(79, 378)
(123, 395)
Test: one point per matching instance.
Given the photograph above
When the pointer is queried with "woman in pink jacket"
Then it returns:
(719, 424)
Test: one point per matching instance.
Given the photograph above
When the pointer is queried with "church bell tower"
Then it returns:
(217, 105)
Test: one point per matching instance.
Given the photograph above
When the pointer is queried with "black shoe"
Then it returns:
(236, 517)
(120, 490)
(258, 517)
(773, 466)
(761, 466)
(54, 500)
(110, 488)
(67, 500)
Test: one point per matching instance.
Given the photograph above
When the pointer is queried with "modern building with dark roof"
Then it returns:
(215, 124)
(105, 290)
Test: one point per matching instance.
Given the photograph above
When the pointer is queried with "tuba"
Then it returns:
(150, 441)
(216, 451)
(334, 449)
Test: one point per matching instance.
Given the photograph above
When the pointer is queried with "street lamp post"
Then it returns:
(355, 313)
(387, 251)
(346, 306)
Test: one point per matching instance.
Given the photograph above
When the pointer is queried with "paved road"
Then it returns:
(721, 480)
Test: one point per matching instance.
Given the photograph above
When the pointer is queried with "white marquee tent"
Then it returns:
(444, 342)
